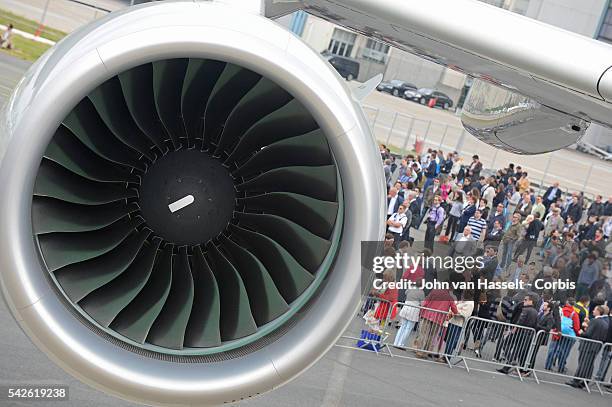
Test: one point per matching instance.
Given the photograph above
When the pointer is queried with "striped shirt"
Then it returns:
(477, 226)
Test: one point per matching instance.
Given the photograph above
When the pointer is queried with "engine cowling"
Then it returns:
(185, 189)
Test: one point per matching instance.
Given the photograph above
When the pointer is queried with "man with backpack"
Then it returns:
(434, 223)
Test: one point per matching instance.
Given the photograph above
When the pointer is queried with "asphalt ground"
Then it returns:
(343, 377)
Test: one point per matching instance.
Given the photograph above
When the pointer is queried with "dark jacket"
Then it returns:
(494, 236)
(431, 170)
(546, 322)
(607, 211)
(499, 198)
(528, 318)
(488, 270)
(573, 210)
(467, 213)
(597, 331)
(501, 218)
(446, 167)
(475, 172)
(547, 193)
(415, 209)
(587, 231)
(398, 202)
(533, 230)
(596, 209)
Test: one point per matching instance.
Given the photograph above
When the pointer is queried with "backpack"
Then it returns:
(567, 324)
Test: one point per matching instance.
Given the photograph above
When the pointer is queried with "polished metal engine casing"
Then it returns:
(84, 60)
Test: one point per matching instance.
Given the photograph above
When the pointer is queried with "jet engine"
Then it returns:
(185, 187)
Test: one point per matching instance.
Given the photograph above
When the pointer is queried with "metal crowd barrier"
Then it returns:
(495, 342)
(603, 373)
(453, 339)
(572, 356)
(426, 331)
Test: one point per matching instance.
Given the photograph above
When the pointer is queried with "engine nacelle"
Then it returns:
(185, 188)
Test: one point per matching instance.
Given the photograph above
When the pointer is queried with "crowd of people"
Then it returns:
(523, 236)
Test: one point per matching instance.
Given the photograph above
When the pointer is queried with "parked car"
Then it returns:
(424, 95)
(396, 87)
(347, 68)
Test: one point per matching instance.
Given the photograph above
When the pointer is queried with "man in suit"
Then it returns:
(552, 194)
(519, 339)
(498, 215)
(393, 202)
(417, 214)
(490, 261)
(607, 209)
(435, 219)
(606, 356)
(387, 170)
(597, 331)
(412, 212)
(574, 210)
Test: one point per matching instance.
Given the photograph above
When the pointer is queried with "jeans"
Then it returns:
(452, 337)
(604, 364)
(404, 333)
(553, 353)
(428, 182)
(507, 249)
(430, 234)
(565, 346)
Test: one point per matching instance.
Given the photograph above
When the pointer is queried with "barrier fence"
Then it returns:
(559, 350)
(426, 331)
(496, 342)
(603, 375)
(391, 329)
